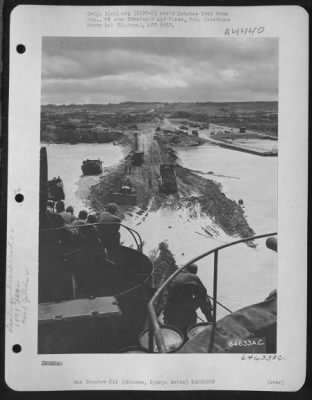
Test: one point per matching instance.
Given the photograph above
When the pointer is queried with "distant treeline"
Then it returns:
(138, 106)
(81, 136)
(258, 116)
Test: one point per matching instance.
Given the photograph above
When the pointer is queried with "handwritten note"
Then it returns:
(263, 357)
(17, 291)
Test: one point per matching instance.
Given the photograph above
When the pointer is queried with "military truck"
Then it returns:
(137, 157)
(91, 167)
(168, 179)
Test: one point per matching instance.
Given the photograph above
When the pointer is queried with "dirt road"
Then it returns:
(194, 192)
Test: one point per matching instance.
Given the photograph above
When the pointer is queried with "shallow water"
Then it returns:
(261, 144)
(245, 176)
(65, 160)
(246, 275)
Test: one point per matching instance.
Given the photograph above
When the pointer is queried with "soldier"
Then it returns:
(77, 222)
(186, 293)
(60, 210)
(70, 210)
(50, 207)
(109, 230)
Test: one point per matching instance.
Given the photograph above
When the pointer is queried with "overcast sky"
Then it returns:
(112, 70)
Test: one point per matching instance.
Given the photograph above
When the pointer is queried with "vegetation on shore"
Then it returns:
(102, 123)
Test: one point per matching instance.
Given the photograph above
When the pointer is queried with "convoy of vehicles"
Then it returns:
(89, 305)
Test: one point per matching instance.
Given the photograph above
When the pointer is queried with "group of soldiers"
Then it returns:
(186, 293)
(102, 229)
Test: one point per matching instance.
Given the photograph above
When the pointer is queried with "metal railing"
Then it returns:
(135, 235)
(154, 326)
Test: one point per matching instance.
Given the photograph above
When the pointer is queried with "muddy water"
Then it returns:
(65, 160)
(245, 275)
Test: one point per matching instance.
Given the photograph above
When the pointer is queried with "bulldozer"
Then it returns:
(126, 194)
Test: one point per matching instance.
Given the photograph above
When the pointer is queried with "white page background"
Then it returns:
(23, 370)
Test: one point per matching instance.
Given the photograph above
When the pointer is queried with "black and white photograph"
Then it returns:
(157, 198)
(158, 195)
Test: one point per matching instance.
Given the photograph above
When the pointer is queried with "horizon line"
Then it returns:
(160, 102)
